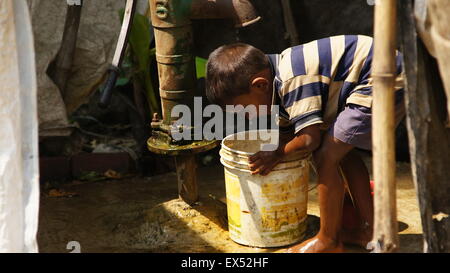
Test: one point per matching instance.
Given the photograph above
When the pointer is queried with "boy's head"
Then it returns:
(238, 74)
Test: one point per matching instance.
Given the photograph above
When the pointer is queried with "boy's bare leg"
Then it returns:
(358, 181)
(331, 195)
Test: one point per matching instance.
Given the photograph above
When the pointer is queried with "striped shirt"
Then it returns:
(313, 82)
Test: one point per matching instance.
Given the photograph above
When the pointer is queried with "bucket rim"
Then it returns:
(275, 169)
(225, 147)
(223, 152)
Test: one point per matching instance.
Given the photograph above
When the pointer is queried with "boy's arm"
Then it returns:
(305, 142)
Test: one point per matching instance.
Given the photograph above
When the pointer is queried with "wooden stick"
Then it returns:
(64, 59)
(385, 238)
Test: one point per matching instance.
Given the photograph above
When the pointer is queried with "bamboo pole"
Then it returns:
(385, 238)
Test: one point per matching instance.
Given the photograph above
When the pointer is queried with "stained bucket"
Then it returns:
(264, 211)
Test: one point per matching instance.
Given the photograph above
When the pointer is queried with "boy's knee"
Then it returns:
(323, 158)
(328, 157)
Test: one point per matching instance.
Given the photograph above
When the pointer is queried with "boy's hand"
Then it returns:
(263, 162)
(304, 143)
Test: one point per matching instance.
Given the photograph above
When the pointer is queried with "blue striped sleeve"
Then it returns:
(305, 120)
(303, 92)
(303, 99)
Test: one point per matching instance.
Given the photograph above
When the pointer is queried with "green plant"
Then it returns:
(140, 58)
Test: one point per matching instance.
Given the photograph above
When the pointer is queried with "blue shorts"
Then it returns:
(354, 124)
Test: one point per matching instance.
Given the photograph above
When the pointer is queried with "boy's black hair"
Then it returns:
(230, 69)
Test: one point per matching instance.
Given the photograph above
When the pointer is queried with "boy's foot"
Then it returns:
(359, 237)
(316, 245)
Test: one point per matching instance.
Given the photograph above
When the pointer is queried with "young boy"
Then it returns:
(324, 92)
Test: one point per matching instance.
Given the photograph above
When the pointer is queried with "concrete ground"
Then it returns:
(144, 215)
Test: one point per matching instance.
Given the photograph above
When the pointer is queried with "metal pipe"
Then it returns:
(241, 12)
(187, 178)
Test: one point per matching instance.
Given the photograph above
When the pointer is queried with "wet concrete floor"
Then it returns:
(144, 215)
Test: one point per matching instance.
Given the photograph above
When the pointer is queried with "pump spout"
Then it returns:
(242, 12)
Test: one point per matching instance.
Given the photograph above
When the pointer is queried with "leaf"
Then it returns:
(200, 65)
(91, 176)
(122, 81)
(140, 39)
(61, 193)
(112, 174)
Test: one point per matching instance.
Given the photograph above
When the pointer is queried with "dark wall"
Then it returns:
(314, 19)
(321, 18)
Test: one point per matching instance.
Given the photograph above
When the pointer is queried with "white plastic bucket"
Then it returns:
(264, 211)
